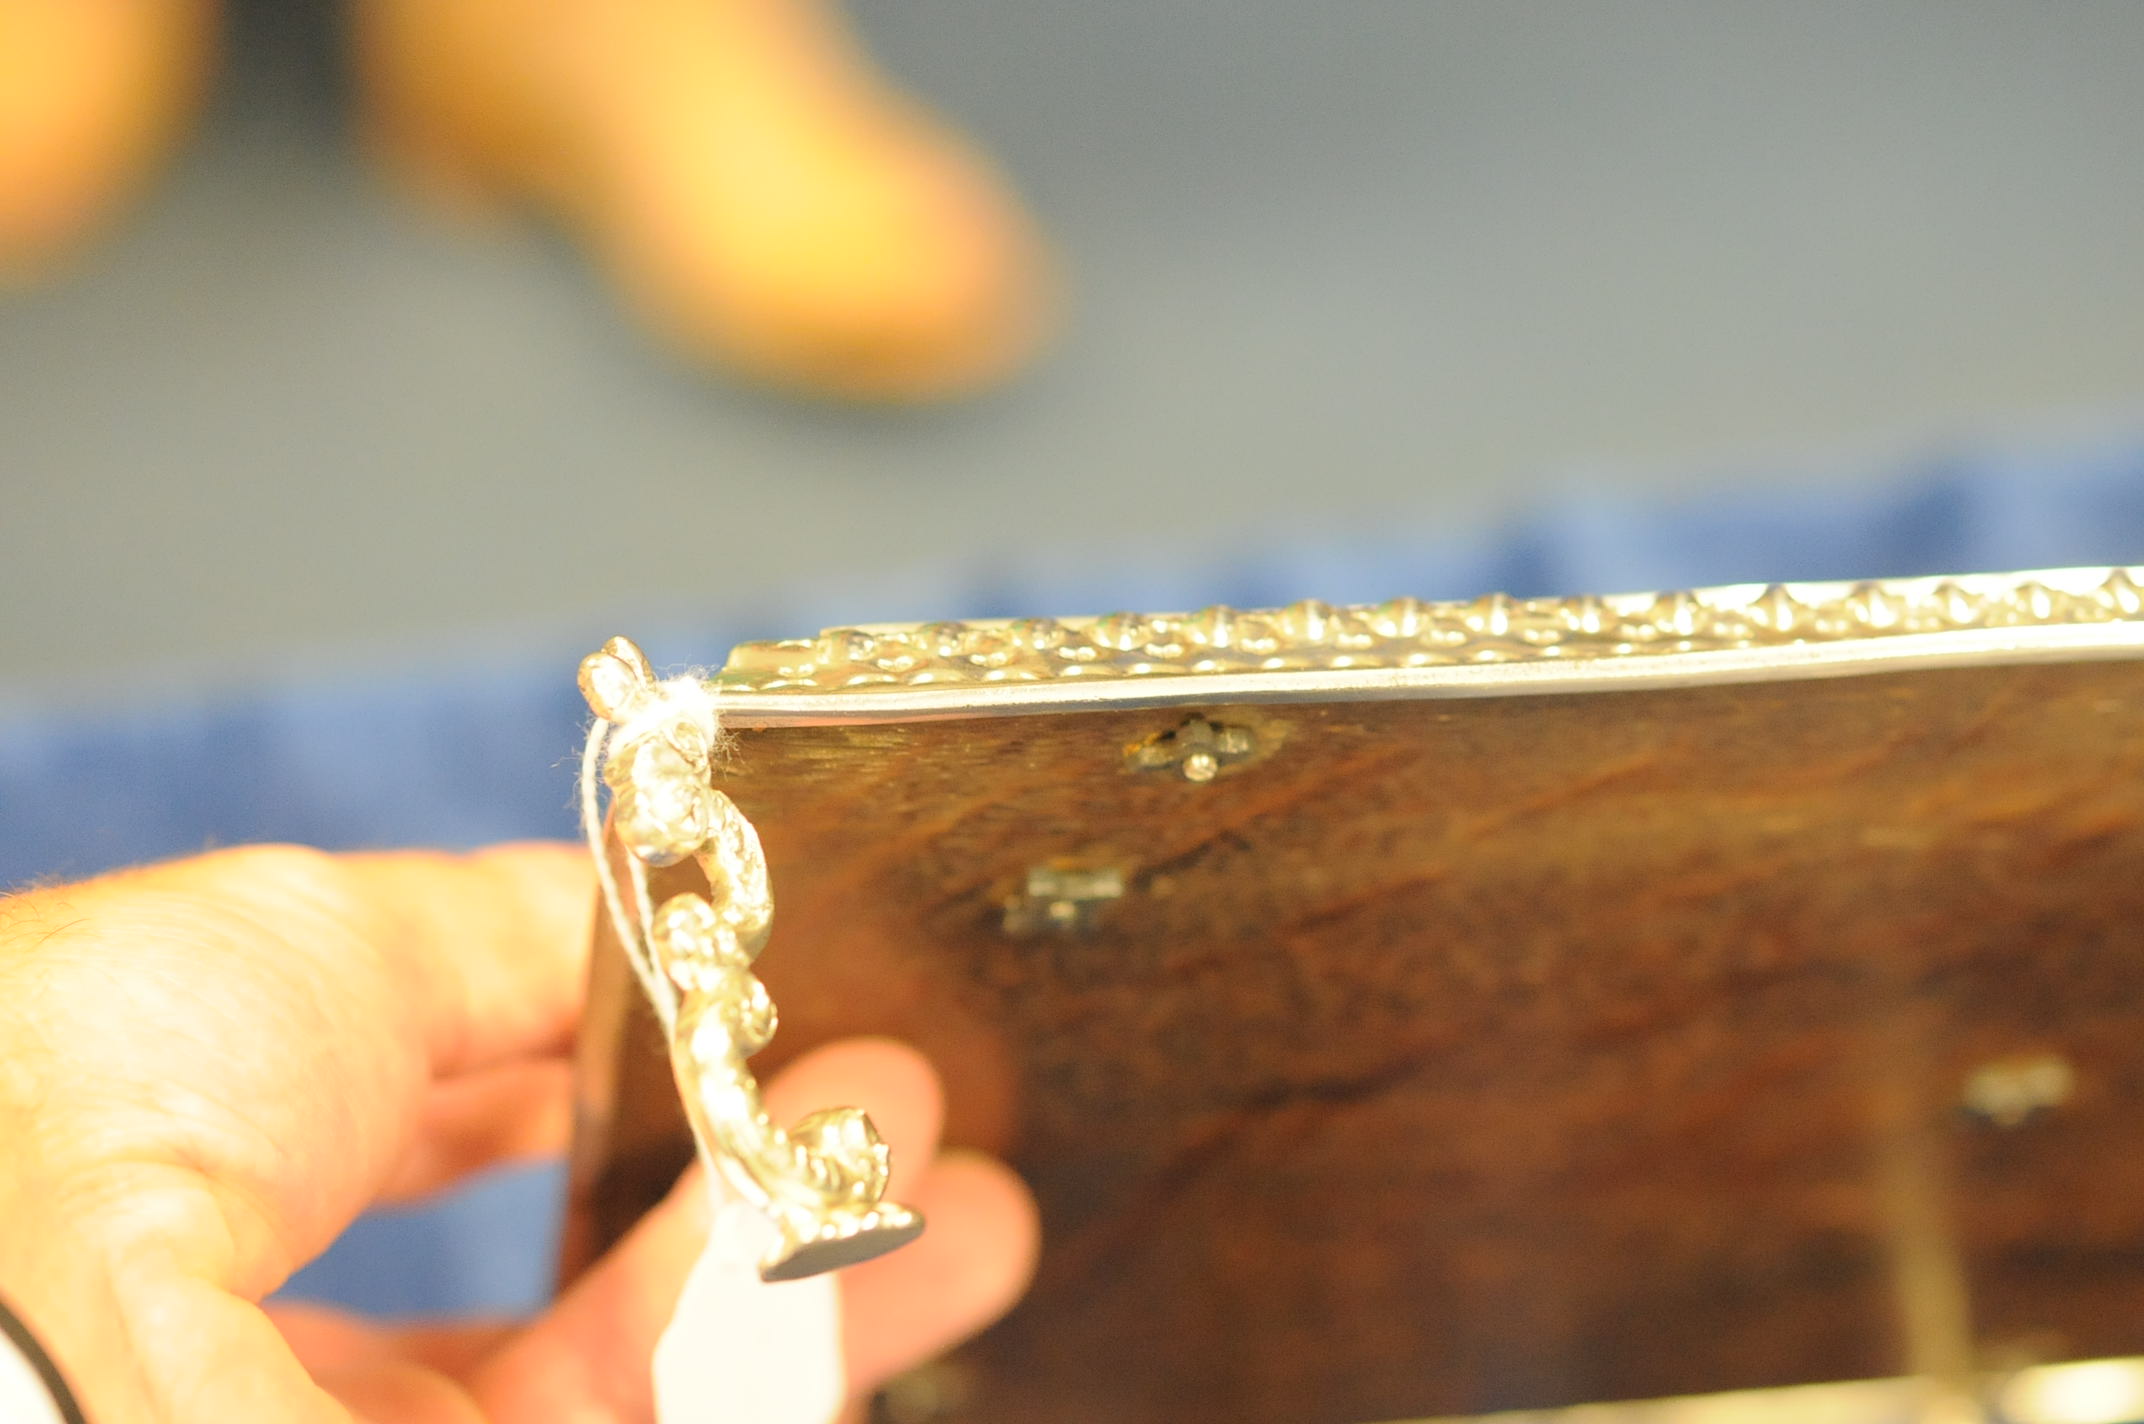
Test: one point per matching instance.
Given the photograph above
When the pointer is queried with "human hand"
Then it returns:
(208, 1068)
(759, 193)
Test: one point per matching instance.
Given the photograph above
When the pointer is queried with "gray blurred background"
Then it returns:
(1331, 268)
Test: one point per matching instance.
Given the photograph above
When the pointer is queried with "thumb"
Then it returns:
(587, 1358)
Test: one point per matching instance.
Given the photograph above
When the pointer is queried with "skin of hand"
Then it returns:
(93, 95)
(209, 1067)
(759, 194)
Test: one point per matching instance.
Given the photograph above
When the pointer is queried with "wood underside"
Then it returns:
(1448, 1056)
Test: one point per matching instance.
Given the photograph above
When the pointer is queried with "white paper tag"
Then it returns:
(23, 1396)
(740, 1351)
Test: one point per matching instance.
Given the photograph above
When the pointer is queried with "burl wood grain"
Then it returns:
(1451, 1056)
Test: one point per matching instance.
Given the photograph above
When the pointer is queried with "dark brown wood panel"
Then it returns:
(1457, 1055)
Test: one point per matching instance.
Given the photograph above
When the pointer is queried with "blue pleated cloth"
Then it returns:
(483, 752)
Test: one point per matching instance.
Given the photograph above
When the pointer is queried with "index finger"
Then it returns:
(487, 950)
(270, 1020)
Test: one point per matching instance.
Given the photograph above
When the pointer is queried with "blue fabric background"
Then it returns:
(463, 756)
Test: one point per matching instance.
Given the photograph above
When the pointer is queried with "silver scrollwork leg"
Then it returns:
(821, 1183)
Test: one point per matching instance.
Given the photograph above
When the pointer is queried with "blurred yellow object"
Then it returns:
(762, 196)
(92, 95)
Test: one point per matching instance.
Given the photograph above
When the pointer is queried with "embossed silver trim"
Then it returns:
(1491, 646)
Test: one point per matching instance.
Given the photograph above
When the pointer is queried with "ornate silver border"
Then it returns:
(1488, 646)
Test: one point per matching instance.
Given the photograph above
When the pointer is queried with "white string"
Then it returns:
(606, 875)
(687, 698)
